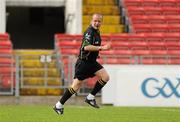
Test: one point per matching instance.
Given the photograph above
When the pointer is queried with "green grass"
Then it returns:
(25, 113)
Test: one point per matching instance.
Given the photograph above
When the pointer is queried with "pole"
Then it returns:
(2, 16)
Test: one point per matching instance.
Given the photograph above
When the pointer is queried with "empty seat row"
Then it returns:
(155, 28)
(152, 11)
(105, 9)
(141, 60)
(7, 68)
(4, 36)
(148, 40)
(144, 44)
(109, 28)
(153, 19)
(5, 44)
(154, 3)
(67, 46)
(107, 19)
(98, 2)
(126, 38)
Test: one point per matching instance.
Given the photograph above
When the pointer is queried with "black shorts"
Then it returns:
(86, 69)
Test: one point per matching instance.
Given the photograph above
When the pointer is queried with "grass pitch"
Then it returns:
(44, 113)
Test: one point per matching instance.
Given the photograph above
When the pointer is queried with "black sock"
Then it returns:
(68, 93)
(98, 86)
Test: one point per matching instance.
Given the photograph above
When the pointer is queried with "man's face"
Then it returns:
(96, 21)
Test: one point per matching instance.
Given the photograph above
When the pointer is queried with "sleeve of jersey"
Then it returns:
(88, 39)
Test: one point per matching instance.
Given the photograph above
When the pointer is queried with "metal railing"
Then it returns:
(7, 71)
(42, 72)
(64, 65)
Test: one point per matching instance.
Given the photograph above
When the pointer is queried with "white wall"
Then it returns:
(142, 85)
(73, 16)
(2, 16)
(28, 3)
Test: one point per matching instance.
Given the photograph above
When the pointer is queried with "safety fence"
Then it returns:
(52, 74)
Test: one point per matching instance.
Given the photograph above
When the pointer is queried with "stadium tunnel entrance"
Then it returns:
(34, 27)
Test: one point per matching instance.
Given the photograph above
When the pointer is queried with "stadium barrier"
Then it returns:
(142, 85)
(36, 75)
(7, 67)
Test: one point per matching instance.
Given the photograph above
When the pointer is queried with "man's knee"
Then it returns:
(106, 78)
(76, 85)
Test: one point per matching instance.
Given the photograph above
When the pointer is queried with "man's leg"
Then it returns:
(68, 93)
(104, 78)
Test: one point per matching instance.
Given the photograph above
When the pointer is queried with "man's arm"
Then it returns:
(97, 48)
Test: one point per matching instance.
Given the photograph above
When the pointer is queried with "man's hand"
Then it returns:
(106, 47)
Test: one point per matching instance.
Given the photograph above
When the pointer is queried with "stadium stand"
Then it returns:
(142, 48)
(126, 44)
(155, 40)
(152, 3)
(111, 15)
(7, 69)
(152, 16)
(37, 77)
(154, 19)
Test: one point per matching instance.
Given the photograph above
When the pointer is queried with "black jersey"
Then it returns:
(91, 37)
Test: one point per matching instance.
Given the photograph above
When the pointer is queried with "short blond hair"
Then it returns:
(97, 14)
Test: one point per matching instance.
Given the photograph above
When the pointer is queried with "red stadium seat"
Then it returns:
(119, 37)
(90, 82)
(153, 19)
(174, 60)
(153, 11)
(4, 36)
(157, 19)
(150, 28)
(6, 60)
(154, 37)
(69, 51)
(159, 28)
(172, 44)
(154, 60)
(137, 40)
(6, 81)
(150, 3)
(5, 44)
(68, 44)
(173, 52)
(6, 51)
(170, 11)
(136, 51)
(116, 52)
(172, 19)
(167, 3)
(141, 28)
(177, 3)
(136, 37)
(156, 44)
(119, 44)
(135, 11)
(6, 70)
(137, 3)
(116, 60)
(119, 41)
(174, 28)
(105, 38)
(122, 52)
(158, 52)
(139, 19)
(155, 40)
(171, 37)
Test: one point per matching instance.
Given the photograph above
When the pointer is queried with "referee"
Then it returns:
(87, 66)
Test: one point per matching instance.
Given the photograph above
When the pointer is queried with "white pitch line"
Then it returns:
(172, 110)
